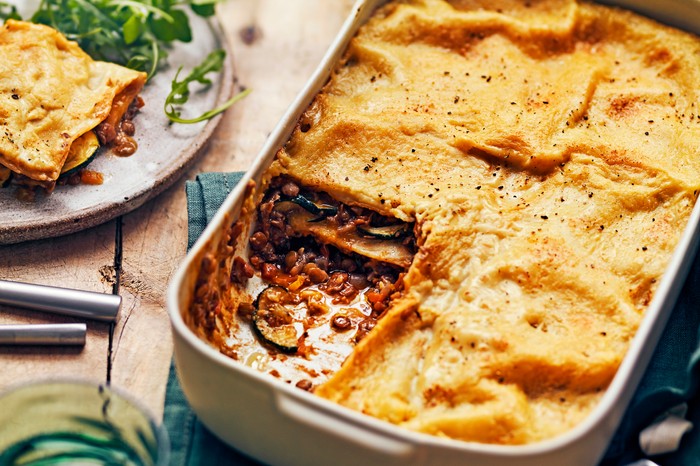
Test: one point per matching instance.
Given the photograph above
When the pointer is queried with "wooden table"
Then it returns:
(276, 46)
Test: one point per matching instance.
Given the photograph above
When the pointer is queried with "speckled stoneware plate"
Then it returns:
(165, 152)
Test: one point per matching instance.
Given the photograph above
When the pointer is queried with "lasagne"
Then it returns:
(464, 230)
(52, 97)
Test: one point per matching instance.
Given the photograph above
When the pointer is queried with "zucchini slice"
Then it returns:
(316, 208)
(289, 206)
(5, 176)
(273, 321)
(82, 152)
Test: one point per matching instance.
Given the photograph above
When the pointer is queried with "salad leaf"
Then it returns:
(8, 11)
(180, 90)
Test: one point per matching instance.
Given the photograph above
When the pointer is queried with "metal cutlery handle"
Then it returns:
(78, 303)
(43, 334)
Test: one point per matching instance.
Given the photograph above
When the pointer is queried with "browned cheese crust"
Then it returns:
(548, 152)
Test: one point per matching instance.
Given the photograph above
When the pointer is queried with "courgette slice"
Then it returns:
(401, 230)
(82, 152)
(273, 321)
(316, 208)
(292, 209)
(5, 176)
(288, 206)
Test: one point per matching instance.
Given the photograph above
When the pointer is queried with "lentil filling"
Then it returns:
(307, 248)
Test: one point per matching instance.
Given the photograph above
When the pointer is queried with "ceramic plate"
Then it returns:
(165, 151)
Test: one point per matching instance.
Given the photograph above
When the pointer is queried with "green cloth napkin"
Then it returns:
(672, 377)
(204, 197)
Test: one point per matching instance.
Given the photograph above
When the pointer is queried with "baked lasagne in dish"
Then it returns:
(466, 226)
(58, 105)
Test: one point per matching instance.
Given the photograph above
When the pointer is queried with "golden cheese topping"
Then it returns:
(51, 93)
(548, 153)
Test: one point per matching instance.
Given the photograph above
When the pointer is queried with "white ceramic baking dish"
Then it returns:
(279, 424)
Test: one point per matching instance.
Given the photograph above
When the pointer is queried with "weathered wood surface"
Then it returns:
(83, 260)
(276, 46)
